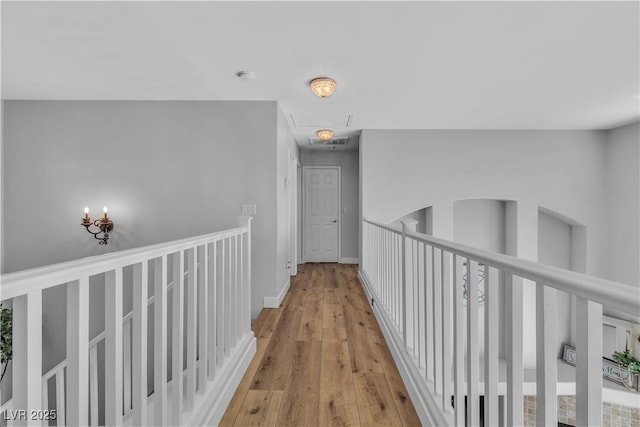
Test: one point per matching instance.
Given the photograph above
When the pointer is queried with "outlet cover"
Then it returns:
(248, 209)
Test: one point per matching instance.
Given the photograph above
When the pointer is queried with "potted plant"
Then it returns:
(629, 363)
(6, 338)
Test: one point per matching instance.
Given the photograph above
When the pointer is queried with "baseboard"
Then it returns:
(349, 261)
(211, 409)
(423, 400)
(274, 302)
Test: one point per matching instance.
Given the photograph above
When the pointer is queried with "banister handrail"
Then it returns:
(620, 296)
(24, 281)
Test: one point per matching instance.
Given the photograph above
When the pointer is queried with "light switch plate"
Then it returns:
(248, 209)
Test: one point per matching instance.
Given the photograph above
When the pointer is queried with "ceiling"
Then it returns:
(398, 65)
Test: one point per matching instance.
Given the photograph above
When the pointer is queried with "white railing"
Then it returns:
(208, 280)
(432, 320)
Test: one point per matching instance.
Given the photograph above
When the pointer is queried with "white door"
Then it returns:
(321, 214)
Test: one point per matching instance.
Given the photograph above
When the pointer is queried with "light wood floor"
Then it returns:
(321, 360)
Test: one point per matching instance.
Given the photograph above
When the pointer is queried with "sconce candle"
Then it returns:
(104, 226)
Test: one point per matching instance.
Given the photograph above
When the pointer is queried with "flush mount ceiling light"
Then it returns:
(323, 86)
(325, 134)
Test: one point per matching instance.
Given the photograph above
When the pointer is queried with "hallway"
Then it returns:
(321, 360)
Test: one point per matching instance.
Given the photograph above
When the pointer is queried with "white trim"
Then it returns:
(304, 213)
(421, 397)
(293, 213)
(274, 302)
(210, 410)
(349, 261)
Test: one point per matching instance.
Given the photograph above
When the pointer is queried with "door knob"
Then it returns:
(335, 220)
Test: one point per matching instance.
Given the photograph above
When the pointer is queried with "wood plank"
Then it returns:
(237, 401)
(266, 323)
(399, 393)
(331, 276)
(295, 299)
(301, 406)
(318, 276)
(375, 404)
(312, 317)
(333, 315)
(260, 408)
(275, 367)
(338, 404)
(316, 378)
(334, 334)
(364, 356)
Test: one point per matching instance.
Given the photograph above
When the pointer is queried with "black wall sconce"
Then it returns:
(104, 226)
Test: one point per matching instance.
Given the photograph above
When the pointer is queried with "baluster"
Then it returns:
(394, 279)
(588, 363)
(514, 345)
(222, 305)
(437, 319)
(177, 336)
(242, 303)
(228, 333)
(203, 315)
(376, 244)
(27, 353)
(408, 295)
(415, 297)
(428, 303)
(546, 367)
(247, 281)
(45, 397)
(459, 385)
(139, 357)
(403, 291)
(231, 296)
(213, 308)
(126, 366)
(160, 316)
(192, 319)
(77, 352)
(473, 413)
(491, 341)
(384, 286)
(445, 272)
(93, 385)
(240, 285)
(113, 347)
(420, 302)
(233, 269)
(61, 406)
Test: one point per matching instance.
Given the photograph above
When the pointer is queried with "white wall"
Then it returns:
(404, 170)
(554, 248)
(165, 169)
(286, 144)
(562, 171)
(480, 223)
(623, 203)
(349, 162)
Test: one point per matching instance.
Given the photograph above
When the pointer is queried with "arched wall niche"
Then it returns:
(552, 238)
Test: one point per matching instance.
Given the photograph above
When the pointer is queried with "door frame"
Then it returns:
(304, 209)
(294, 164)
